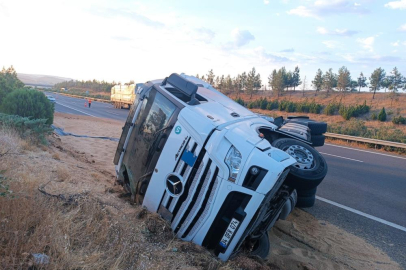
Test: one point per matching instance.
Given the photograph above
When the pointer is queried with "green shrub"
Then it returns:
(399, 120)
(315, 107)
(240, 101)
(374, 116)
(28, 103)
(382, 115)
(353, 111)
(263, 104)
(272, 105)
(34, 130)
(331, 109)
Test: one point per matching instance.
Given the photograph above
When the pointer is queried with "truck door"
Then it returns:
(151, 130)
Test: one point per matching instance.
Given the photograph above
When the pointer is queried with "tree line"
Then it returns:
(100, 86)
(343, 81)
(281, 80)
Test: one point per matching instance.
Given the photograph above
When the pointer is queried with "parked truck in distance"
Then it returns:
(123, 96)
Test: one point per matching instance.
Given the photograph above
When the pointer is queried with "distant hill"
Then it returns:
(41, 80)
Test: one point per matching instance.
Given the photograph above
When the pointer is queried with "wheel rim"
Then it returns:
(303, 157)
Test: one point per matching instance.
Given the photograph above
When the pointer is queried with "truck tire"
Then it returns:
(318, 140)
(317, 127)
(305, 202)
(306, 192)
(310, 168)
(261, 247)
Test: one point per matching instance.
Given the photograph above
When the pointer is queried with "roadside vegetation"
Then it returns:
(26, 103)
(91, 88)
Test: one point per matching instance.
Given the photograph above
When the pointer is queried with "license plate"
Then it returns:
(229, 233)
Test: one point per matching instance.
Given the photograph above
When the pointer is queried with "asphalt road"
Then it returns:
(364, 191)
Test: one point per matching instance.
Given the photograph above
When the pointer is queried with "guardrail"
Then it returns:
(365, 140)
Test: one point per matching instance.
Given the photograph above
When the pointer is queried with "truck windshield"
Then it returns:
(150, 131)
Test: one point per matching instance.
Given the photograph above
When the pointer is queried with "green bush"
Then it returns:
(272, 105)
(374, 116)
(331, 109)
(28, 103)
(382, 115)
(353, 111)
(263, 104)
(34, 130)
(399, 120)
(240, 101)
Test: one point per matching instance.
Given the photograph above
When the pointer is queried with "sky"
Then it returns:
(127, 40)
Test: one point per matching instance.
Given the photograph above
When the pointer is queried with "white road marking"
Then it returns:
(75, 109)
(341, 157)
(391, 224)
(364, 151)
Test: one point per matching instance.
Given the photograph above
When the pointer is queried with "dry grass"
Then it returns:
(394, 104)
(89, 232)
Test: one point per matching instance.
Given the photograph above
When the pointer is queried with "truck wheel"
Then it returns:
(310, 168)
(305, 202)
(318, 140)
(261, 247)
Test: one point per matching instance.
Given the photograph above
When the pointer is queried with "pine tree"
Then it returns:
(395, 79)
(251, 79)
(318, 80)
(376, 80)
(344, 79)
(296, 78)
(329, 80)
(361, 81)
(210, 77)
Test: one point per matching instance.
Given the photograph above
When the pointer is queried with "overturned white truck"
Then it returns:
(207, 165)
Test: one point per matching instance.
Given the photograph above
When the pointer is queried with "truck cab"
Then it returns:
(199, 159)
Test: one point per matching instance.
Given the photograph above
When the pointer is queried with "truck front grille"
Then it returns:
(200, 185)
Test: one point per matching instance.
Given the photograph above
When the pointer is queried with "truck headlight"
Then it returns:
(233, 161)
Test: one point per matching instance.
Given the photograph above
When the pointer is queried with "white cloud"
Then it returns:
(322, 8)
(402, 28)
(336, 32)
(303, 11)
(330, 43)
(349, 57)
(266, 2)
(396, 4)
(357, 4)
(367, 43)
(241, 37)
(322, 30)
(395, 44)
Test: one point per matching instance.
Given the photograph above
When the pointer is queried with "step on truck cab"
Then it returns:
(198, 159)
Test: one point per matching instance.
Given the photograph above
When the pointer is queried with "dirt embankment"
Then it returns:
(90, 225)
